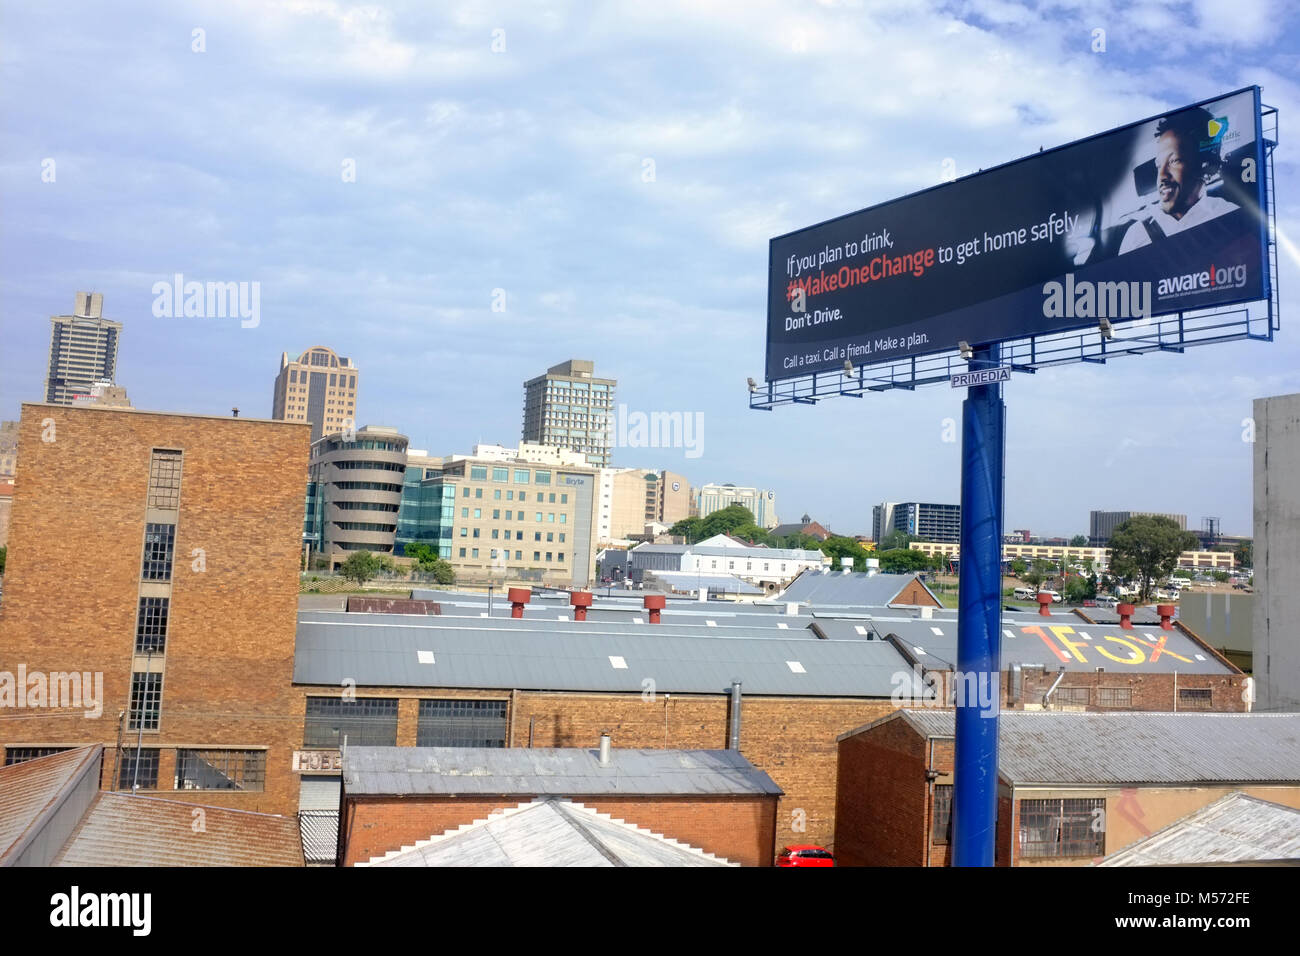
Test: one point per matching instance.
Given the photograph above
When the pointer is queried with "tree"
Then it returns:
(1245, 553)
(839, 546)
(1146, 548)
(1079, 541)
(800, 542)
(726, 521)
(688, 528)
(904, 560)
(1018, 567)
(360, 567)
(1038, 572)
(1220, 576)
(1079, 588)
(1183, 573)
(3, 554)
(894, 540)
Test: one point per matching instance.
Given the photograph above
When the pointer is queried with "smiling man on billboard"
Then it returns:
(1187, 158)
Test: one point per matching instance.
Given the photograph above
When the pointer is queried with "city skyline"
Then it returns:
(522, 255)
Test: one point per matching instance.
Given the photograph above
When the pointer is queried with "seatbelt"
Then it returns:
(1154, 232)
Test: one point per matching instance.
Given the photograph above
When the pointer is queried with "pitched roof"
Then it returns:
(557, 771)
(1131, 748)
(549, 832)
(33, 792)
(123, 829)
(1237, 828)
(846, 588)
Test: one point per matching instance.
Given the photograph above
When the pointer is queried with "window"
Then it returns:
(510, 515)
(496, 493)
(464, 533)
(564, 519)
(521, 476)
(519, 555)
(564, 499)
(478, 492)
(537, 536)
(540, 497)
(541, 477)
(519, 536)
(537, 555)
(1114, 697)
(473, 552)
(151, 625)
(220, 769)
(464, 492)
(510, 496)
(478, 472)
(145, 762)
(548, 556)
(496, 513)
(496, 532)
(1195, 698)
(464, 512)
(552, 497)
(462, 552)
(941, 823)
(1062, 828)
(165, 480)
(550, 536)
(500, 474)
(15, 755)
(478, 512)
(476, 530)
(461, 723)
(146, 699)
(562, 541)
(539, 516)
(365, 721)
(159, 542)
(1072, 695)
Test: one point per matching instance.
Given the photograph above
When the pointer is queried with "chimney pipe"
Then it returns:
(581, 600)
(1166, 612)
(654, 603)
(518, 598)
(733, 741)
(604, 749)
(1125, 616)
(1044, 602)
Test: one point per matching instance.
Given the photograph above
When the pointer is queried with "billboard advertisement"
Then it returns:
(1156, 217)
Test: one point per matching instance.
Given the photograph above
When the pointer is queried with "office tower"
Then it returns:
(83, 350)
(319, 387)
(569, 407)
(1102, 524)
(761, 504)
(920, 519)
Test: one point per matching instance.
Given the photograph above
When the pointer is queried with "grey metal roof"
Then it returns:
(845, 588)
(548, 832)
(507, 654)
(1134, 748)
(1237, 828)
(754, 553)
(727, 583)
(555, 771)
(1036, 640)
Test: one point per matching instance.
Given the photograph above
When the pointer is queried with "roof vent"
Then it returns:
(604, 749)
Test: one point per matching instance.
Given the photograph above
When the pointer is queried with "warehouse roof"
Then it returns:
(848, 588)
(548, 832)
(557, 771)
(377, 651)
(1237, 828)
(1132, 748)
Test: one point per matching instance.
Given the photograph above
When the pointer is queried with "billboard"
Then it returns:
(1156, 217)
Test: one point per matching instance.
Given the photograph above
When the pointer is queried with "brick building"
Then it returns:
(1073, 788)
(150, 600)
(712, 800)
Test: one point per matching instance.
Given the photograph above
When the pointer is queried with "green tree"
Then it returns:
(799, 541)
(1018, 567)
(904, 560)
(1079, 541)
(3, 553)
(443, 572)
(689, 528)
(894, 540)
(1220, 576)
(360, 567)
(1038, 572)
(839, 546)
(1245, 553)
(1079, 588)
(1146, 548)
(1183, 573)
(726, 521)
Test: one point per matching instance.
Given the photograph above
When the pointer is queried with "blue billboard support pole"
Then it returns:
(979, 622)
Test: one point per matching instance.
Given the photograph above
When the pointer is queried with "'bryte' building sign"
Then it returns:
(317, 761)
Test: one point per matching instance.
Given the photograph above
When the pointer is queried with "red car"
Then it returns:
(805, 855)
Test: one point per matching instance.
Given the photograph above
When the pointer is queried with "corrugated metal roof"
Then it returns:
(1237, 828)
(549, 832)
(555, 771)
(727, 583)
(508, 654)
(121, 829)
(1135, 748)
(29, 789)
(845, 588)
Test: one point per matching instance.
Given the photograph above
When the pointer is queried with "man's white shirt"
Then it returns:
(1203, 210)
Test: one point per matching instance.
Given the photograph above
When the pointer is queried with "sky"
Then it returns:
(457, 196)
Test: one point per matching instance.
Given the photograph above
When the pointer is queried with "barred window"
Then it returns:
(147, 762)
(146, 701)
(151, 625)
(366, 722)
(15, 755)
(159, 542)
(1195, 698)
(1062, 828)
(220, 769)
(1072, 695)
(1114, 697)
(165, 479)
(461, 723)
(941, 824)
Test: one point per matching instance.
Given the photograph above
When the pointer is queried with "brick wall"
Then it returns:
(1151, 692)
(915, 593)
(881, 811)
(737, 828)
(71, 591)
